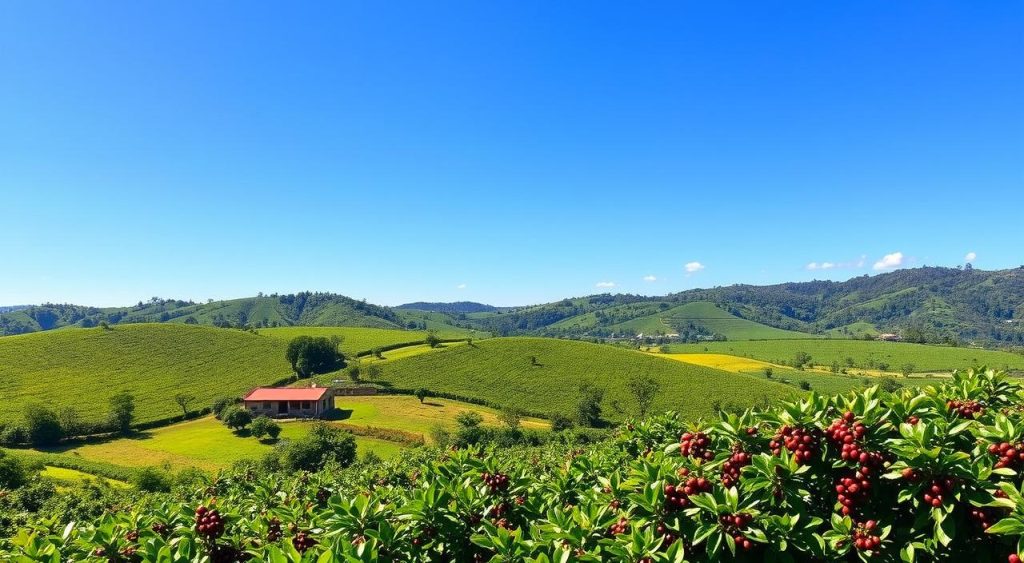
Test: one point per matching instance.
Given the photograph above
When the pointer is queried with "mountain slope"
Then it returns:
(83, 368)
(501, 371)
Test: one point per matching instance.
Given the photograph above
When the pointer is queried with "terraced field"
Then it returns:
(502, 372)
(83, 368)
(862, 354)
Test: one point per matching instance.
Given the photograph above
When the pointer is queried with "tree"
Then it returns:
(801, 359)
(805, 385)
(907, 369)
(373, 371)
(432, 340)
(768, 372)
(122, 412)
(588, 408)
(265, 426)
(236, 418)
(183, 400)
(42, 425)
(511, 417)
(469, 419)
(12, 472)
(312, 355)
(70, 421)
(560, 422)
(324, 444)
(353, 372)
(219, 405)
(152, 480)
(421, 394)
(644, 389)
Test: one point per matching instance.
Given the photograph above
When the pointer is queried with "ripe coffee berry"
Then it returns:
(322, 495)
(1013, 558)
(966, 409)
(678, 496)
(984, 516)
(620, 527)
(159, 528)
(497, 482)
(132, 535)
(695, 445)
(732, 466)
(799, 441)
(1010, 455)
(935, 490)
(303, 542)
(734, 524)
(274, 530)
(864, 537)
(209, 523)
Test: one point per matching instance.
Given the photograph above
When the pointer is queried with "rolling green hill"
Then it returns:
(863, 354)
(306, 308)
(500, 371)
(356, 340)
(83, 368)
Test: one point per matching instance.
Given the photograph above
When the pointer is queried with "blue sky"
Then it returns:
(501, 152)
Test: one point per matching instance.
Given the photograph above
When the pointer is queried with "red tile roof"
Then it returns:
(286, 394)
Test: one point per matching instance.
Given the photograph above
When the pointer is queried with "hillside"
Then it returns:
(355, 340)
(310, 309)
(454, 307)
(500, 371)
(871, 355)
(926, 304)
(84, 368)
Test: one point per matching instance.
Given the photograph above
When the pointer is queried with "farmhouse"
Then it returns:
(888, 337)
(308, 402)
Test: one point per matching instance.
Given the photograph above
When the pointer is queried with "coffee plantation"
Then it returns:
(922, 475)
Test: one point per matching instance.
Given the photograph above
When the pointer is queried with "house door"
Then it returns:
(282, 407)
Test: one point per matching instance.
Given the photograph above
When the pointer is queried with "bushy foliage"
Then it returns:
(913, 476)
(12, 472)
(264, 426)
(310, 355)
(42, 425)
(323, 445)
(236, 417)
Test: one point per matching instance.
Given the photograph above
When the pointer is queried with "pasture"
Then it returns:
(83, 368)
(404, 412)
(862, 354)
(204, 443)
(542, 375)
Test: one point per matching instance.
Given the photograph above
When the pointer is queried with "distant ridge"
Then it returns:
(928, 304)
(450, 308)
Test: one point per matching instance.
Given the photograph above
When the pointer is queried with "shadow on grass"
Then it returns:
(337, 414)
(430, 404)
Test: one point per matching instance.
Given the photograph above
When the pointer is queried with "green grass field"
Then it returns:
(204, 443)
(355, 340)
(500, 371)
(403, 412)
(67, 477)
(83, 368)
(865, 354)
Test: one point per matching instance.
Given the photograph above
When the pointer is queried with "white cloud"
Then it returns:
(890, 261)
(859, 263)
(461, 286)
(605, 285)
(650, 278)
(693, 267)
(970, 257)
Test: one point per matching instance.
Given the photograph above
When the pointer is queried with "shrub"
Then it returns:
(153, 480)
(421, 394)
(12, 472)
(236, 417)
(511, 417)
(324, 444)
(222, 403)
(265, 426)
(14, 436)
(560, 422)
(122, 412)
(42, 426)
(588, 408)
(432, 339)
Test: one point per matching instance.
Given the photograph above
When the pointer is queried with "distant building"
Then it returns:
(890, 337)
(298, 402)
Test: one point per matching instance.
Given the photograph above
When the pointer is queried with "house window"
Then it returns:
(305, 405)
(266, 404)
